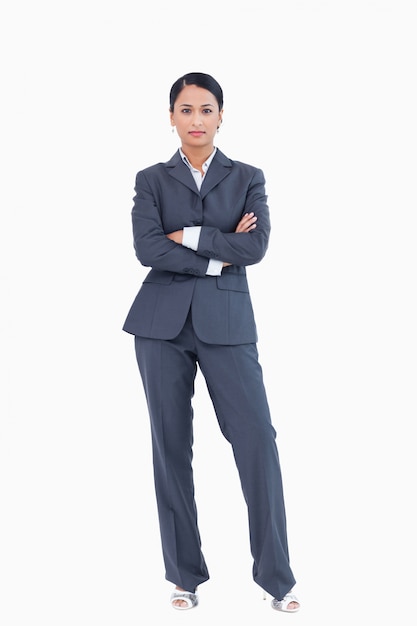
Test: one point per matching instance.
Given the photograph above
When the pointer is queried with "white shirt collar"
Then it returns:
(205, 164)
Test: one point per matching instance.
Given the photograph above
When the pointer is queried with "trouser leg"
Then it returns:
(235, 383)
(168, 370)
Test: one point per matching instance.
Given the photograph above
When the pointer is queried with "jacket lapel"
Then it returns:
(220, 167)
(178, 170)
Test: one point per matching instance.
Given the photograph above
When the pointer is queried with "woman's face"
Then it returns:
(196, 116)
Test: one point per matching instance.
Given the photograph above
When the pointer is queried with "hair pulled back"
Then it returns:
(205, 81)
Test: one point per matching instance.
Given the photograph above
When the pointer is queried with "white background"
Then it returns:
(322, 96)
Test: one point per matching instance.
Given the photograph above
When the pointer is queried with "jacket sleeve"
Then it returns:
(241, 248)
(152, 247)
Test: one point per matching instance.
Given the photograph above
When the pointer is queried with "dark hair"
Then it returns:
(205, 81)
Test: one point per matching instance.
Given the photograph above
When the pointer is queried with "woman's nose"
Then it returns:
(197, 119)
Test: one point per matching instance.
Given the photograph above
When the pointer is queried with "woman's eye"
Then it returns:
(207, 111)
(185, 110)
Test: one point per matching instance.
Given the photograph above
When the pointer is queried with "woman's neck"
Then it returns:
(197, 157)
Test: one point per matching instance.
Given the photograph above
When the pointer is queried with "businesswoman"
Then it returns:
(198, 220)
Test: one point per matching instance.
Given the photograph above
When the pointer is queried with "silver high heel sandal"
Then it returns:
(190, 599)
(282, 605)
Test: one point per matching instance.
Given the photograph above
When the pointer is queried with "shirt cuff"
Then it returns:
(214, 267)
(191, 236)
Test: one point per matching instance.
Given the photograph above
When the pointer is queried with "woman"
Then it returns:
(198, 221)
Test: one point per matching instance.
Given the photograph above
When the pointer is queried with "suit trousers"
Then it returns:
(235, 383)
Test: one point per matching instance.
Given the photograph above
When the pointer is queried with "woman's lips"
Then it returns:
(196, 133)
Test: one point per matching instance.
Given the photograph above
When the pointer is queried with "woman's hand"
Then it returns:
(247, 223)
(176, 236)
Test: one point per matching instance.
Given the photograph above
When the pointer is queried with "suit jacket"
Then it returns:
(167, 199)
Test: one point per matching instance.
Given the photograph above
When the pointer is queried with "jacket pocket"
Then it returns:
(160, 278)
(233, 282)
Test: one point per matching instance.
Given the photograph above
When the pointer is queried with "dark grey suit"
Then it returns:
(182, 317)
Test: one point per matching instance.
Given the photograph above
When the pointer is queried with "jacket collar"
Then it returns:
(219, 168)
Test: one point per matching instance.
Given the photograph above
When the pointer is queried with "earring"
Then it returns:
(173, 129)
